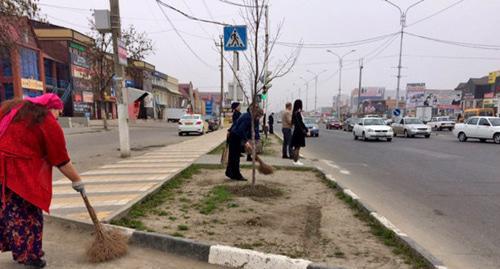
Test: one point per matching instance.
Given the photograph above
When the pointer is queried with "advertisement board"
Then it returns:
(88, 97)
(374, 107)
(375, 92)
(31, 84)
(122, 53)
(440, 99)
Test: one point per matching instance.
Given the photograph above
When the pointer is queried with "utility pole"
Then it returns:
(221, 105)
(402, 21)
(266, 65)
(360, 83)
(122, 97)
(316, 87)
(341, 59)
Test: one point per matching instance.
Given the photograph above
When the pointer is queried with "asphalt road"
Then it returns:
(443, 193)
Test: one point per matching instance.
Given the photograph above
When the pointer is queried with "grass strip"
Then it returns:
(149, 204)
(218, 150)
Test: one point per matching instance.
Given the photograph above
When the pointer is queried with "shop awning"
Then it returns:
(174, 91)
(137, 94)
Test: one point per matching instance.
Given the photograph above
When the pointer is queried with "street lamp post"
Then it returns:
(307, 91)
(403, 26)
(341, 59)
(316, 87)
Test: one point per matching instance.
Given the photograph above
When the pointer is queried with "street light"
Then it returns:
(316, 86)
(341, 58)
(403, 26)
(307, 91)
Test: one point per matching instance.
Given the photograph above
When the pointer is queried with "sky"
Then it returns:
(440, 66)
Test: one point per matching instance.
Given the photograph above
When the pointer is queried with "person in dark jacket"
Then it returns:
(241, 135)
(271, 123)
(299, 131)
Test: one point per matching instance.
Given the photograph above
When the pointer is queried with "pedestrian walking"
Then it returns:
(241, 135)
(300, 131)
(286, 121)
(271, 123)
(31, 143)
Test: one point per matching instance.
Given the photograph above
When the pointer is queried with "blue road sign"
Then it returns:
(208, 107)
(396, 112)
(235, 37)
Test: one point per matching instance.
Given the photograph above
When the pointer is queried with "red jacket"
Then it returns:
(27, 154)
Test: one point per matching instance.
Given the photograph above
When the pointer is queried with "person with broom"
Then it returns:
(241, 135)
(31, 143)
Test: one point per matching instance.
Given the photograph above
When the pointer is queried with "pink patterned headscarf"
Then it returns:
(49, 100)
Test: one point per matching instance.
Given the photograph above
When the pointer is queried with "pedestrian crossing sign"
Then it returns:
(235, 37)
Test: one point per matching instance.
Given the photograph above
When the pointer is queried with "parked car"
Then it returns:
(441, 123)
(411, 127)
(372, 128)
(192, 123)
(349, 124)
(213, 123)
(482, 128)
(312, 126)
(333, 123)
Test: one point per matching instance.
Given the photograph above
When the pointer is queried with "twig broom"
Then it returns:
(108, 244)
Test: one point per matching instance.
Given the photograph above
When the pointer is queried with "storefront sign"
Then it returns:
(492, 77)
(122, 53)
(32, 84)
(489, 95)
(88, 97)
(80, 72)
(489, 102)
(81, 107)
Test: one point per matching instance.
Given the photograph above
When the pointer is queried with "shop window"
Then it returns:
(29, 64)
(5, 64)
(30, 93)
(8, 91)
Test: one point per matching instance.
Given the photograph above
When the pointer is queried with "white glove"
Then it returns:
(78, 186)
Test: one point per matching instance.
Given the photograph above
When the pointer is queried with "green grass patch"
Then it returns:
(216, 196)
(182, 227)
(150, 203)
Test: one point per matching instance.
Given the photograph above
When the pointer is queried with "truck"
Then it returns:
(174, 114)
(424, 113)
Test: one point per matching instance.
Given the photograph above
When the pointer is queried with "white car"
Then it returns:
(482, 128)
(192, 123)
(441, 123)
(372, 128)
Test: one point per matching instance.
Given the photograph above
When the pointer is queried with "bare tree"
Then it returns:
(258, 60)
(138, 45)
(11, 26)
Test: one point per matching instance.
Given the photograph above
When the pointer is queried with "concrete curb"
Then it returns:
(403, 238)
(215, 254)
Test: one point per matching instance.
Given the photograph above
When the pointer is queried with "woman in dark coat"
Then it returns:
(299, 131)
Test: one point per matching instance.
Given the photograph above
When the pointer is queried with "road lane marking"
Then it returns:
(345, 172)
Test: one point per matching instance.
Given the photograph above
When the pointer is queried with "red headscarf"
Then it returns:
(48, 100)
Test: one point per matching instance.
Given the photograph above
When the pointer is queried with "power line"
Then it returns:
(381, 49)
(235, 4)
(455, 43)
(437, 13)
(189, 16)
(65, 7)
(337, 44)
(181, 37)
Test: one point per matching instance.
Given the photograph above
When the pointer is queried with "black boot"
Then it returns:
(41, 263)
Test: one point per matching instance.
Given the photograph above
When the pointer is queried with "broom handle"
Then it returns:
(90, 209)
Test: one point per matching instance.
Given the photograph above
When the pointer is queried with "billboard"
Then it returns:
(440, 99)
(374, 107)
(372, 92)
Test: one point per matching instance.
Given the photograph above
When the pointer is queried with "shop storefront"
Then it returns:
(83, 97)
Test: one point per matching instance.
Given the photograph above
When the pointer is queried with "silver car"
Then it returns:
(411, 127)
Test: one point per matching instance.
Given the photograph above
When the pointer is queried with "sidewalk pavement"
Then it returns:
(64, 245)
(114, 188)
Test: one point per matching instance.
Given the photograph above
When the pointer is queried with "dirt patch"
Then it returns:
(259, 191)
(272, 146)
(305, 221)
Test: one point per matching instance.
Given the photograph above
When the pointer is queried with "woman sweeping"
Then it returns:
(300, 131)
(31, 143)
